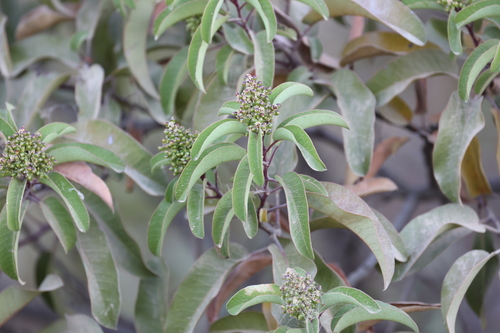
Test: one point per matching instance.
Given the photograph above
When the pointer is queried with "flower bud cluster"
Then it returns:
(301, 294)
(256, 110)
(177, 145)
(192, 23)
(453, 4)
(24, 158)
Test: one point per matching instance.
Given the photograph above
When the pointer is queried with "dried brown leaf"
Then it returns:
(372, 185)
(472, 171)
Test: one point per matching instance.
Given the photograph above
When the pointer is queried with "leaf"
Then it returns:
(288, 89)
(208, 25)
(399, 73)
(75, 151)
(8, 248)
(285, 159)
(211, 157)
(251, 295)
(377, 43)
(132, 153)
(201, 284)
(302, 140)
(477, 11)
(392, 13)
(398, 245)
(289, 257)
(255, 155)
(459, 123)
(161, 219)
(373, 185)
(264, 55)
(195, 210)
(495, 63)
(348, 295)
(245, 322)
(223, 215)
(473, 66)
(71, 198)
(102, 276)
(5, 58)
(168, 17)
(313, 118)
(60, 221)
(418, 234)
(174, 74)
(454, 34)
(134, 45)
(241, 189)
(457, 281)
(313, 185)
(298, 212)
(423, 4)
(483, 81)
(158, 161)
(54, 130)
(319, 6)
(80, 323)
(238, 39)
(349, 210)
(357, 104)
(384, 151)
(88, 91)
(472, 171)
(326, 277)
(266, 13)
(223, 63)
(397, 111)
(77, 40)
(14, 203)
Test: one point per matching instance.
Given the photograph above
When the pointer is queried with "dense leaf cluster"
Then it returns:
(302, 295)
(177, 145)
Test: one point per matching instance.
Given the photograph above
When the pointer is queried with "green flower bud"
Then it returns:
(301, 294)
(177, 145)
(23, 156)
(453, 4)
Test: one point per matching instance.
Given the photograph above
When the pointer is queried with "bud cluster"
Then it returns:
(256, 110)
(301, 294)
(192, 23)
(177, 145)
(24, 158)
(453, 4)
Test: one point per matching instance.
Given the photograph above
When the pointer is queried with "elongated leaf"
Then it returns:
(255, 155)
(102, 276)
(289, 89)
(251, 295)
(313, 118)
(290, 258)
(201, 284)
(302, 140)
(211, 157)
(326, 277)
(54, 130)
(454, 34)
(8, 248)
(5, 59)
(159, 160)
(495, 63)
(264, 56)
(161, 219)
(88, 91)
(298, 212)
(266, 13)
(483, 81)
(423, 4)
(238, 39)
(71, 197)
(134, 45)
(215, 131)
(392, 13)
(244, 322)
(251, 224)
(133, 154)
(168, 17)
(474, 64)
(357, 104)
(75, 151)
(174, 74)
(458, 125)
(195, 210)
(348, 295)
(313, 185)
(241, 189)
(418, 234)
(60, 221)
(477, 11)
(208, 20)
(319, 6)
(349, 210)
(472, 171)
(457, 281)
(223, 215)
(223, 63)
(80, 323)
(398, 245)
(398, 74)
(14, 203)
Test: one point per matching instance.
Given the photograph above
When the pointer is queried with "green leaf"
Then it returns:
(161, 219)
(223, 215)
(484, 80)
(102, 276)
(398, 74)
(215, 131)
(298, 212)
(71, 198)
(5, 59)
(208, 26)
(245, 322)
(158, 161)
(312, 185)
(229, 108)
(223, 63)
(251, 224)
(195, 210)
(348, 209)
(495, 63)
(238, 39)
(290, 258)
(60, 221)
(357, 104)
(302, 140)
(458, 125)
(8, 248)
(169, 17)
(454, 34)
(457, 281)
(319, 6)
(420, 232)
(264, 56)
(201, 284)
(289, 89)
(77, 40)
(174, 74)
(326, 277)
(266, 13)
(392, 13)
(251, 295)
(80, 323)
(255, 155)
(88, 91)
(6, 128)
(132, 153)
(75, 151)
(423, 4)
(477, 11)
(398, 245)
(54, 130)
(134, 45)
(14, 204)
(313, 118)
(348, 295)
(211, 157)
(241, 189)
(387, 312)
(473, 66)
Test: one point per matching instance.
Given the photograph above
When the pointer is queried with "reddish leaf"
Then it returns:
(373, 185)
(383, 151)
